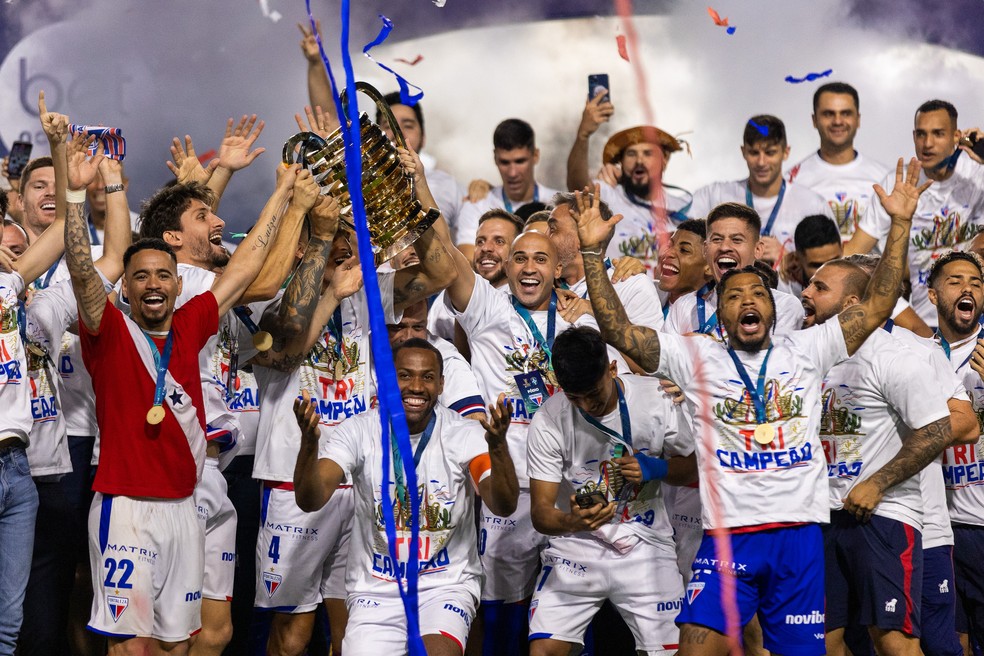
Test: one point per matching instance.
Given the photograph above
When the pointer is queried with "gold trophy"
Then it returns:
(396, 218)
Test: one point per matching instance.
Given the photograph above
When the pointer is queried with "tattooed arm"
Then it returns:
(920, 449)
(437, 270)
(86, 283)
(638, 342)
(245, 263)
(859, 321)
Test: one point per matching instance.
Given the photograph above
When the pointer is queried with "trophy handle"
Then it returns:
(387, 113)
(309, 142)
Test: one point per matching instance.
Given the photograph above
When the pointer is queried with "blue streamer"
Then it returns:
(390, 400)
(810, 77)
(407, 98)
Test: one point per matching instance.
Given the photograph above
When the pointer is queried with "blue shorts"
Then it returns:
(968, 566)
(939, 637)
(874, 573)
(779, 575)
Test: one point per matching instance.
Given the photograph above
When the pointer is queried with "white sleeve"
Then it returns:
(461, 392)
(789, 313)
(51, 312)
(486, 306)
(679, 437)
(641, 302)
(676, 357)
(823, 344)
(875, 221)
(703, 202)
(910, 387)
(674, 319)
(387, 279)
(544, 448)
(194, 281)
(342, 444)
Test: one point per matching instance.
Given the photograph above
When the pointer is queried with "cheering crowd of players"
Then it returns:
(748, 413)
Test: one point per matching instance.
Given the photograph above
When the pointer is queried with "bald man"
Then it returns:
(510, 337)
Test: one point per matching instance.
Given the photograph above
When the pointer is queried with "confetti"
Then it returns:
(406, 98)
(810, 77)
(238, 235)
(763, 130)
(204, 157)
(720, 22)
(416, 60)
(274, 15)
(440, 3)
(622, 49)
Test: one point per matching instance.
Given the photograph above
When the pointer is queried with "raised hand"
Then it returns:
(306, 413)
(306, 191)
(346, 279)
(902, 202)
(324, 217)
(111, 170)
(186, 167)
(55, 125)
(234, 152)
(82, 170)
(309, 45)
(497, 423)
(318, 121)
(593, 231)
(596, 112)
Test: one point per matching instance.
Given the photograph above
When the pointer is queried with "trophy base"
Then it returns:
(407, 239)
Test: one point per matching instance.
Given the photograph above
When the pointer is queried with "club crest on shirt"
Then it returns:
(322, 356)
(522, 357)
(948, 231)
(271, 582)
(643, 247)
(836, 418)
(779, 405)
(116, 606)
(846, 211)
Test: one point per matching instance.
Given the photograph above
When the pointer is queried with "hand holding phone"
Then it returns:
(17, 159)
(975, 141)
(597, 82)
(586, 500)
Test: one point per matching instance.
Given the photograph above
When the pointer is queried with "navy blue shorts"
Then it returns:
(968, 570)
(779, 575)
(874, 573)
(939, 598)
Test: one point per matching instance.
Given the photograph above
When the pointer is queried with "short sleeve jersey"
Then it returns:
(757, 485)
(136, 458)
(278, 436)
(872, 402)
(496, 199)
(947, 217)
(847, 188)
(685, 317)
(502, 347)
(15, 389)
(564, 448)
(963, 464)
(798, 202)
(449, 543)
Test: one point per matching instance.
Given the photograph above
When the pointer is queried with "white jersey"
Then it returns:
(448, 540)
(245, 404)
(847, 188)
(684, 316)
(797, 202)
(496, 199)
(637, 234)
(564, 448)
(744, 483)
(278, 437)
(947, 217)
(639, 297)
(15, 388)
(963, 464)
(936, 531)
(502, 347)
(440, 321)
(461, 390)
(872, 402)
(446, 191)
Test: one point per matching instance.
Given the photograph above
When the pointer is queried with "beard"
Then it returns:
(948, 315)
(640, 191)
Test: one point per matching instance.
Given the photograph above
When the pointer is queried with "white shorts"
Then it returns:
(300, 557)
(218, 519)
(147, 567)
(684, 510)
(579, 574)
(378, 625)
(510, 551)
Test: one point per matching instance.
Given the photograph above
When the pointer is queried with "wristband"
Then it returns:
(75, 196)
(653, 469)
(109, 189)
(597, 252)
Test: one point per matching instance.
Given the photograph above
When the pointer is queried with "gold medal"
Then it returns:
(155, 415)
(262, 340)
(36, 349)
(765, 433)
(339, 370)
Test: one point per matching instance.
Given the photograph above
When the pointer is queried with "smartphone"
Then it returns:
(587, 499)
(976, 143)
(17, 158)
(597, 82)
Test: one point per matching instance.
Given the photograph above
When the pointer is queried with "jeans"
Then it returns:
(18, 510)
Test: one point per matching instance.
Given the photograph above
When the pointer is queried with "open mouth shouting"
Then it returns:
(154, 301)
(966, 309)
(725, 263)
(668, 272)
(750, 322)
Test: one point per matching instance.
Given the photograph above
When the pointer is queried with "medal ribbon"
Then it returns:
(889, 325)
(945, 345)
(705, 327)
(508, 205)
(233, 366)
(767, 230)
(758, 391)
(161, 360)
(43, 283)
(545, 344)
(401, 488)
(242, 313)
(335, 328)
(623, 413)
(679, 216)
